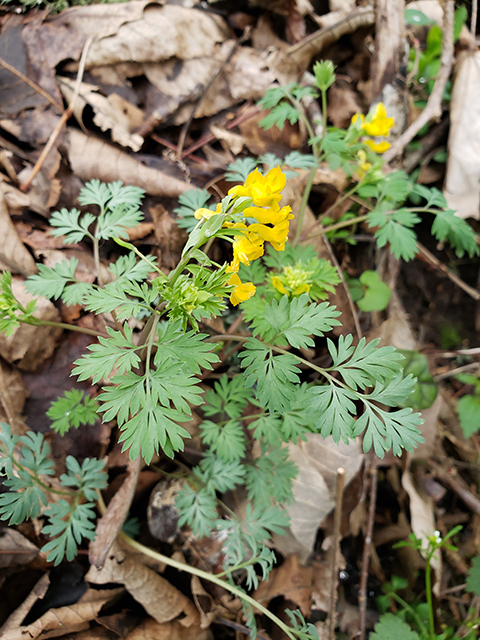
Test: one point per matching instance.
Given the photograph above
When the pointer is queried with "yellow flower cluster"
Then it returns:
(376, 126)
(272, 225)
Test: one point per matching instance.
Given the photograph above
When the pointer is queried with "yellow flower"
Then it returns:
(243, 290)
(277, 235)
(265, 191)
(246, 247)
(206, 214)
(278, 284)
(272, 215)
(363, 165)
(379, 125)
(378, 147)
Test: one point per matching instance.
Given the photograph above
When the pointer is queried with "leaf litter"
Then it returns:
(138, 90)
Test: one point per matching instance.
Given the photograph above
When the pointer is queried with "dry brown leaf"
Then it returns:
(162, 514)
(422, 519)
(15, 619)
(342, 104)
(204, 602)
(69, 619)
(12, 391)
(158, 597)
(30, 346)
(13, 253)
(112, 112)
(317, 460)
(15, 549)
(112, 520)
(152, 630)
(92, 158)
(462, 183)
(291, 581)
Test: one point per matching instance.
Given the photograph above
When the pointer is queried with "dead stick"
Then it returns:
(32, 84)
(351, 304)
(65, 116)
(474, 293)
(433, 110)
(362, 596)
(455, 483)
(332, 614)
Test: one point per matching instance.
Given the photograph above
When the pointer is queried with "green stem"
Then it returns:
(324, 113)
(412, 612)
(428, 589)
(337, 225)
(236, 591)
(36, 322)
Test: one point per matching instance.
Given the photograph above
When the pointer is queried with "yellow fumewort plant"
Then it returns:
(272, 225)
(375, 125)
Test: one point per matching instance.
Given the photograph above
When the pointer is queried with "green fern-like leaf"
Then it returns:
(75, 408)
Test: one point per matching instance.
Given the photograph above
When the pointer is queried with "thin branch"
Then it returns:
(362, 597)
(473, 293)
(332, 614)
(32, 84)
(351, 304)
(65, 116)
(433, 110)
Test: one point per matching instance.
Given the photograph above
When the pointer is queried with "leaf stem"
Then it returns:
(428, 589)
(236, 591)
(36, 322)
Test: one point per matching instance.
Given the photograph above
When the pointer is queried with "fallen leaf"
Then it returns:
(65, 620)
(112, 520)
(15, 549)
(153, 630)
(158, 597)
(13, 252)
(92, 158)
(291, 581)
(12, 392)
(112, 112)
(16, 618)
(422, 519)
(30, 346)
(462, 182)
(317, 460)
(342, 104)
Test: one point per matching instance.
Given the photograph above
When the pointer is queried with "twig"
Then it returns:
(332, 614)
(454, 372)
(205, 88)
(433, 110)
(65, 116)
(473, 22)
(238, 627)
(32, 84)
(473, 293)
(351, 304)
(362, 596)
(456, 484)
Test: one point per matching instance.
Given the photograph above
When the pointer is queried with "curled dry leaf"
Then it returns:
(12, 393)
(93, 158)
(462, 184)
(153, 630)
(158, 597)
(15, 549)
(422, 519)
(112, 520)
(65, 620)
(30, 346)
(16, 618)
(291, 581)
(13, 252)
(112, 112)
(317, 460)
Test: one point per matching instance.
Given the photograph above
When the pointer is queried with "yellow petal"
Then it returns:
(378, 147)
